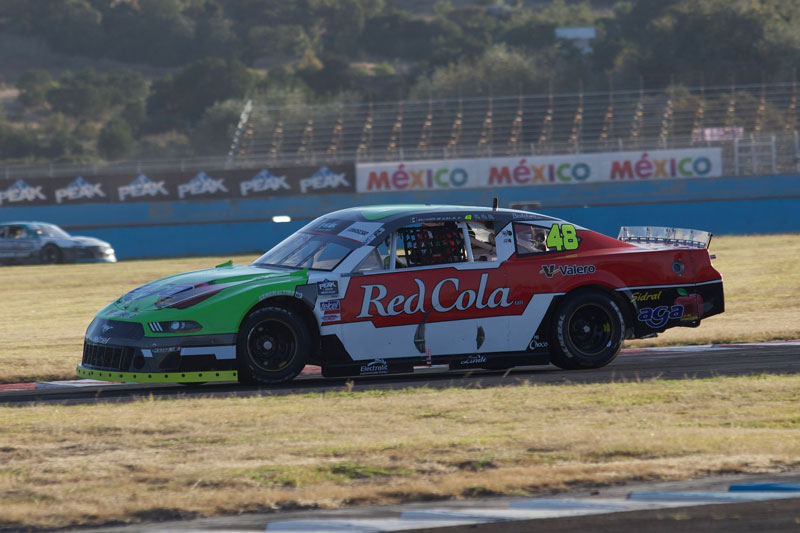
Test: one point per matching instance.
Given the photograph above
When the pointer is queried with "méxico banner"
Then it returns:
(537, 171)
(171, 186)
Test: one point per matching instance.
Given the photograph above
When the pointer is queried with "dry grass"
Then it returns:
(79, 465)
(44, 310)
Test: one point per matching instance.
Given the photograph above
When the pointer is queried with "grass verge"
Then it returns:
(92, 464)
(44, 310)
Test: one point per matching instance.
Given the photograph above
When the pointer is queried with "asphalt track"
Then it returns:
(689, 362)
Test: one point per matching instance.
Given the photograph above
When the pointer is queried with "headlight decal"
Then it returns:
(175, 326)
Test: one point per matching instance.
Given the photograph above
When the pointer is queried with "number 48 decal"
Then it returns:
(562, 237)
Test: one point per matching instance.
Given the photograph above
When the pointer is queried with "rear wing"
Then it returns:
(671, 236)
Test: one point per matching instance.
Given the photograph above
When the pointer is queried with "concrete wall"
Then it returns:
(741, 205)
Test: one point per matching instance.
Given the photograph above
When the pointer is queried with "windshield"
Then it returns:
(48, 230)
(308, 250)
(321, 245)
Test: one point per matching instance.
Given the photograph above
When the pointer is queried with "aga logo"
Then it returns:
(656, 317)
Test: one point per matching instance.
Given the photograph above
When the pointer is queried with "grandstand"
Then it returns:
(755, 125)
(749, 121)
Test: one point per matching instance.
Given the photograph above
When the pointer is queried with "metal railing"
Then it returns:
(763, 154)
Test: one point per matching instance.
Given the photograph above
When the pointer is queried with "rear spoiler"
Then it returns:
(658, 235)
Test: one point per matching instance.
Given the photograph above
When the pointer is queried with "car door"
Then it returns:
(19, 242)
(425, 295)
(5, 245)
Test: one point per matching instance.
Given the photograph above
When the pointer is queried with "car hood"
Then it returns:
(87, 241)
(185, 290)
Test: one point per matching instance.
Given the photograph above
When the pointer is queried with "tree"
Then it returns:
(399, 34)
(499, 70)
(184, 97)
(125, 86)
(148, 31)
(336, 75)
(16, 145)
(215, 130)
(700, 39)
(115, 140)
(69, 26)
(80, 94)
(33, 86)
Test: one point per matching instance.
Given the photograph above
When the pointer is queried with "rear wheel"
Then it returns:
(51, 254)
(273, 346)
(588, 331)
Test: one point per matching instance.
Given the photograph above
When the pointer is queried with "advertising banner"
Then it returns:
(176, 186)
(539, 170)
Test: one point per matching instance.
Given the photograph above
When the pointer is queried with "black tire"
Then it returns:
(588, 330)
(273, 346)
(51, 254)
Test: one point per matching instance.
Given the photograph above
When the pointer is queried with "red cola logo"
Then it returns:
(446, 296)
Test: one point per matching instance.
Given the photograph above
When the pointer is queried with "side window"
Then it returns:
(482, 240)
(530, 239)
(3, 232)
(378, 259)
(431, 244)
(18, 232)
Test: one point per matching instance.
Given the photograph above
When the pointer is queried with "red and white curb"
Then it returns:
(311, 370)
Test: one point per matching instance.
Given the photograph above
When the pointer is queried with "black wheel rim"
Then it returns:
(271, 345)
(590, 330)
(50, 255)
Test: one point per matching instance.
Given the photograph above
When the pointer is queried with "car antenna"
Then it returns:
(494, 204)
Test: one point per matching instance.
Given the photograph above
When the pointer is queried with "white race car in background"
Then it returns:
(39, 242)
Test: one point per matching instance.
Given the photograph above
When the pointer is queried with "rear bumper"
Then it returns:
(659, 308)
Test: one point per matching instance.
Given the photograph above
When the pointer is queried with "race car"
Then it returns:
(385, 289)
(40, 242)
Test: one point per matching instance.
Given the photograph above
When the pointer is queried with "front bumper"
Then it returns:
(116, 350)
(93, 254)
(157, 377)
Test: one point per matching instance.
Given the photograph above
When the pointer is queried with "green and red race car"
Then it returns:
(384, 289)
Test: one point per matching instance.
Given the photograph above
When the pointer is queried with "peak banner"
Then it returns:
(172, 186)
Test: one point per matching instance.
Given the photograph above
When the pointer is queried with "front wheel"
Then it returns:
(51, 254)
(588, 331)
(272, 347)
